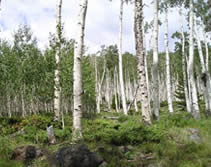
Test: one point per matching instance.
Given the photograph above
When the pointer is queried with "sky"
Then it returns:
(102, 22)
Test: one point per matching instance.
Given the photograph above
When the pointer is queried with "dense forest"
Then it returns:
(63, 106)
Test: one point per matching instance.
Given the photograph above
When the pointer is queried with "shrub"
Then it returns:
(5, 147)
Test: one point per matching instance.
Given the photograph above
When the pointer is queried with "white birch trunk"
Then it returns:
(57, 88)
(155, 77)
(97, 87)
(99, 84)
(187, 98)
(168, 77)
(115, 90)
(140, 54)
(121, 80)
(194, 97)
(107, 93)
(23, 102)
(77, 78)
(9, 106)
(146, 69)
(205, 74)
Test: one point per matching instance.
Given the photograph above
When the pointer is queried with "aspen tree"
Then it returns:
(77, 76)
(140, 54)
(155, 74)
(57, 88)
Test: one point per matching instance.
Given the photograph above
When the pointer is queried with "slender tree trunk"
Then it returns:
(99, 84)
(140, 54)
(155, 77)
(97, 87)
(115, 90)
(9, 105)
(208, 79)
(168, 77)
(205, 75)
(57, 88)
(194, 97)
(77, 78)
(201, 57)
(23, 104)
(146, 68)
(187, 98)
(107, 93)
(121, 80)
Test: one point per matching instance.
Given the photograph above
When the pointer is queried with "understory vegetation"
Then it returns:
(120, 140)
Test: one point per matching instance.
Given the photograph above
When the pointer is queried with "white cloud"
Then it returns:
(101, 28)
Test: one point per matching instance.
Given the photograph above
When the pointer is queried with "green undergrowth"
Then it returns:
(166, 140)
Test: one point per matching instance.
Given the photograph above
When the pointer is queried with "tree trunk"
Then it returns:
(146, 69)
(57, 88)
(99, 84)
(140, 54)
(194, 97)
(107, 91)
(77, 78)
(168, 77)
(205, 75)
(187, 98)
(9, 106)
(115, 91)
(155, 77)
(121, 80)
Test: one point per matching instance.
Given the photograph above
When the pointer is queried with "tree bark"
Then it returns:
(115, 90)
(99, 84)
(205, 74)
(187, 98)
(77, 77)
(140, 54)
(168, 77)
(57, 88)
(155, 77)
(121, 80)
(9, 105)
(194, 97)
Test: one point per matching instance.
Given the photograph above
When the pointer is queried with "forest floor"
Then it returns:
(174, 141)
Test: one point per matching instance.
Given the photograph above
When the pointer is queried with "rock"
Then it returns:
(27, 153)
(129, 147)
(75, 156)
(154, 165)
(184, 136)
(20, 132)
(104, 164)
(193, 135)
(124, 149)
(51, 136)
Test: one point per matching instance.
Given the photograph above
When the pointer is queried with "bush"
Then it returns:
(39, 121)
(177, 119)
(9, 125)
(5, 147)
(128, 130)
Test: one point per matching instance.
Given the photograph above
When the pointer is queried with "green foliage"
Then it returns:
(9, 125)
(63, 134)
(178, 119)
(5, 147)
(6, 163)
(38, 121)
(124, 131)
